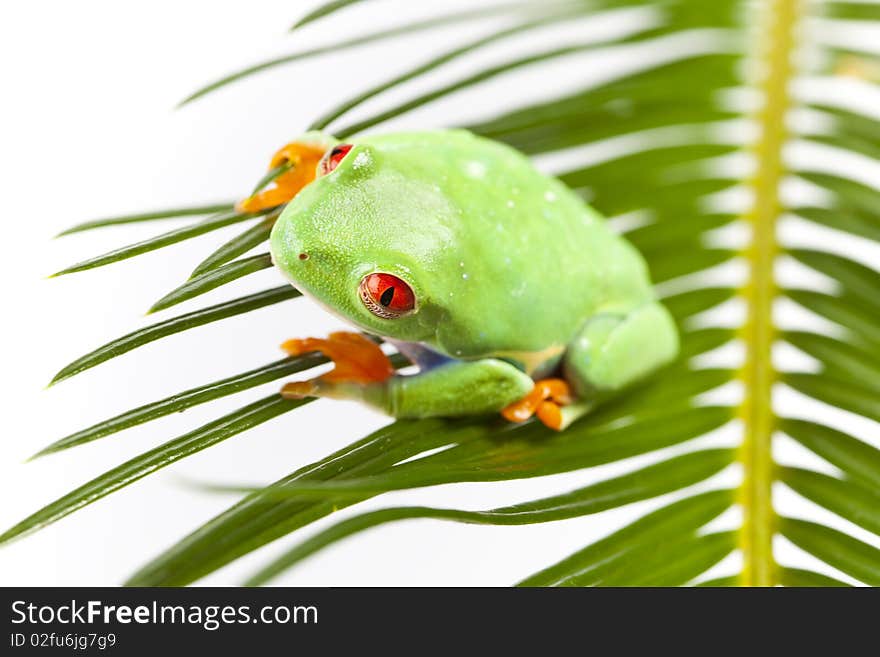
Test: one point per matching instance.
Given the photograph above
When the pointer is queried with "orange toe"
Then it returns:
(550, 415)
(303, 159)
(357, 359)
(544, 399)
(298, 389)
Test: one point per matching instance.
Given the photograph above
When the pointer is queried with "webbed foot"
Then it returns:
(545, 400)
(358, 360)
(302, 160)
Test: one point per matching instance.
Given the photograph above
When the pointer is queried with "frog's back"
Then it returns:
(533, 260)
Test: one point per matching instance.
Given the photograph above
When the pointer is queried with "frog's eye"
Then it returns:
(332, 158)
(387, 296)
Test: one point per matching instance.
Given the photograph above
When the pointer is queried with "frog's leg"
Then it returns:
(452, 388)
(614, 351)
(303, 160)
(611, 352)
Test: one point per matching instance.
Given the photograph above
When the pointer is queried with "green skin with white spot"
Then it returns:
(514, 276)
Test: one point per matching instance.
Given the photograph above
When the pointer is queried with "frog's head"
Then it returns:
(368, 238)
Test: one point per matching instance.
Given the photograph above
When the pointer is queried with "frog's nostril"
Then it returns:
(303, 256)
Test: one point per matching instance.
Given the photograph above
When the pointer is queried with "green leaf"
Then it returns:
(846, 395)
(851, 500)
(451, 18)
(160, 241)
(175, 325)
(855, 458)
(673, 520)
(848, 143)
(594, 124)
(205, 436)
(799, 577)
(845, 219)
(676, 473)
(448, 56)
(843, 552)
(672, 391)
(720, 582)
(519, 456)
(187, 399)
(620, 198)
(674, 85)
(859, 11)
(682, 468)
(212, 279)
(842, 310)
(841, 360)
(325, 9)
(462, 83)
(672, 265)
(148, 216)
(699, 341)
(664, 235)
(848, 130)
(850, 194)
(859, 281)
(259, 519)
(271, 175)
(852, 128)
(693, 302)
(651, 164)
(532, 450)
(672, 563)
(238, 245)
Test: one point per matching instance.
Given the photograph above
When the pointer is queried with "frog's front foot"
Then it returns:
(358, 361)
(298, 163)
(545, 400)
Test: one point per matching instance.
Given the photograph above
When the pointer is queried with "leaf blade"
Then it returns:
(158, 242)
(648, 482)
(850, 500)
(256, 520)
(799, 577)
(682, 516)
(854, 457)
(323, 10)
(184, 400)
(835, 548)
(174, 325)
(147, 216)
(384, 33)
(213, 279)
(127, 473)
(238, 245)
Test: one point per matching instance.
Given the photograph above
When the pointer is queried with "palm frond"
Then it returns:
(238, 245)
(213, 278)
(174, 325)
(187, 399)
(377, 36)
(148, 216)
(667, 126)
(646, 483)
(160, 241)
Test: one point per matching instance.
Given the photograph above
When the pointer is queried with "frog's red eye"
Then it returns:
(387, 296)
(333, 157)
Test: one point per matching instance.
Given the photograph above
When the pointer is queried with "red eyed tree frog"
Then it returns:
(507, 291)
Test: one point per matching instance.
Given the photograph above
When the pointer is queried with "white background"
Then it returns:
(88, 129)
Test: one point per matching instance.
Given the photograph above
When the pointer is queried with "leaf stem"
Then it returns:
(776, 43)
